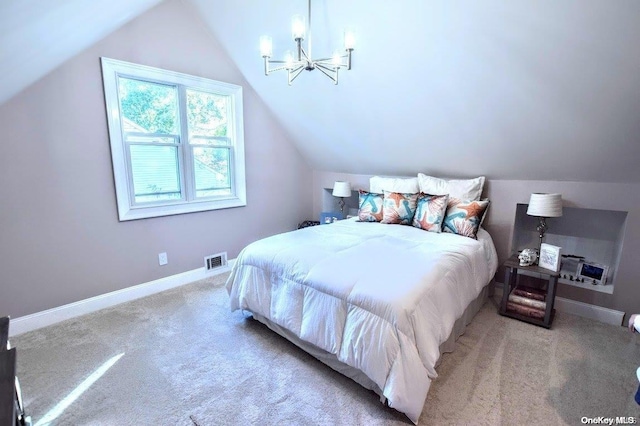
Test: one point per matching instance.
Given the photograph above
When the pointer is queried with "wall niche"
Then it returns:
(596, 235)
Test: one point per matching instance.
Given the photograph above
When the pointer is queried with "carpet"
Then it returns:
(182, 358)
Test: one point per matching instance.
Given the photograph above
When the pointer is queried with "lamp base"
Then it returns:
(541, 228)
(341, 204)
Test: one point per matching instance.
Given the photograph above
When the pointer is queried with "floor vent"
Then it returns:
(215, 261)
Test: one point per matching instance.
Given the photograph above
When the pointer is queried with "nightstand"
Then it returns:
(526, 306)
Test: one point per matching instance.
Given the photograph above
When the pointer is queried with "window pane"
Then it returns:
(201, 140)
(155, 173)
(151, 139)
(211, 169)
(148, 107)
(206, 114)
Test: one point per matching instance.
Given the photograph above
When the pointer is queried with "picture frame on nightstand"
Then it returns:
(549, 257)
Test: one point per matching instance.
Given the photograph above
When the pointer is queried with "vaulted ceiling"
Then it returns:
(527, 89)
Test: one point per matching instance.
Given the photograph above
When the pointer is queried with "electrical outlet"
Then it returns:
(163, 259)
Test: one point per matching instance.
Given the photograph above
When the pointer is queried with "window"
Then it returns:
(177, 141)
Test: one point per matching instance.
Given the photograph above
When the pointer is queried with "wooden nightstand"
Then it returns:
(511, 272)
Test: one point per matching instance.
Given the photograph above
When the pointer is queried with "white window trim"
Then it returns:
(111, 70)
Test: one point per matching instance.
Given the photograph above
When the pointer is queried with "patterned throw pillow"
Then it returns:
(464, 217)
(430, 212)
(398, 208)
(370, 207)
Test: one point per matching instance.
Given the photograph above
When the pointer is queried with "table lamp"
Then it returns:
(544, 206)
(342, 190)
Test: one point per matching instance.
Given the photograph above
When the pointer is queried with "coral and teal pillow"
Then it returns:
(370, 206)
(398, 208)
(430, 212)
(464, 217)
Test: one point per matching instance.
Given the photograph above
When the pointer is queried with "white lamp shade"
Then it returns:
(545, 205)
(341, 189)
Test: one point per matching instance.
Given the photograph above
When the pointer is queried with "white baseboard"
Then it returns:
(585, 310)
(52, 316)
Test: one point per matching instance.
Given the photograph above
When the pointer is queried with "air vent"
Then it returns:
(215, 261)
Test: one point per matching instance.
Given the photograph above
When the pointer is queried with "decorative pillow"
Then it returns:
(370, 207)
(464, 217)
(430, 211)
(463, 189)
(378, 185)
(398, 208)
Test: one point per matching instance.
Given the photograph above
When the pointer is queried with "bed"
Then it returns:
(376, 302)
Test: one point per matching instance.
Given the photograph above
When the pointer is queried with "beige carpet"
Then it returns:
(187, 360)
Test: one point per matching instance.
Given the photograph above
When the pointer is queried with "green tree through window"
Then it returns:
(151, 106)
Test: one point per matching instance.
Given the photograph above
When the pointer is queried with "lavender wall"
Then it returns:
(60, 237)
(505, 194)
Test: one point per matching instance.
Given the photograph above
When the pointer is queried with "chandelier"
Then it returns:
(302, 60)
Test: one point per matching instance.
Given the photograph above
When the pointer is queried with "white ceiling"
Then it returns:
(36, 36)
(523, 89)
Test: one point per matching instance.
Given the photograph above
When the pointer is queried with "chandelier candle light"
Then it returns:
(303, 59)
(544, 206)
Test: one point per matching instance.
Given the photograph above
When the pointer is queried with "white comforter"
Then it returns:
(382, 298)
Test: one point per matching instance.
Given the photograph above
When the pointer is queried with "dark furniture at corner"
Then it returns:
(11, 409)
(4, 332)
(511, 266)
(7, 377)
(7, 387)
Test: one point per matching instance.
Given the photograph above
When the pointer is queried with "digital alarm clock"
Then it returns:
(593, 273)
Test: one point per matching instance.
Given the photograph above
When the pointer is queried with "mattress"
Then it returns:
(380, 298)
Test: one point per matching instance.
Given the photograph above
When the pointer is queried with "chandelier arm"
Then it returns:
(277, 69)
(329, 63)
(305, 55)
(327, 71)
(295, 72)
(280, 68)
(275, 61)
(326, 66)
(343, 56)
(345, 61)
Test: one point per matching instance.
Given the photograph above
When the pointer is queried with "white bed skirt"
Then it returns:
(358, 376)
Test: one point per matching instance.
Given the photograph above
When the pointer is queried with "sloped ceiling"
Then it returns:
(36, 36)
(527, 89)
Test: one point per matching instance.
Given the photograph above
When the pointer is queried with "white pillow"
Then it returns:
(379, 184)
(462, 189)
